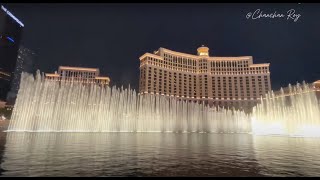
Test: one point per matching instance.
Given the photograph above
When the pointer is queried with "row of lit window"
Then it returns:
(214, 93)
(182, 60)
(202, 69)
(206, 94)
(175, 75)
(78, 74)
(221, 87)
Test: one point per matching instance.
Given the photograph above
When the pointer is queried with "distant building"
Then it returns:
(10, 35)
(78, 74)
(219, 81)
(316, 87)
(25, 63)
(287, 93)
(316, 84)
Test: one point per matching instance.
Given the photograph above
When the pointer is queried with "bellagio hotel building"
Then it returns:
(78, 74)
(220, 81)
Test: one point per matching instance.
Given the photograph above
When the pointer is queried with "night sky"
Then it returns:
(112, 37)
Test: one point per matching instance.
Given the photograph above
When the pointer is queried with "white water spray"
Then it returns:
(294, 114)
(52, 106)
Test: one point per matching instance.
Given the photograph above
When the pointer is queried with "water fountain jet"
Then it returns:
(53, 106)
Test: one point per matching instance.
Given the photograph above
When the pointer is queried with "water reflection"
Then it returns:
(157, 154)
(288, 156)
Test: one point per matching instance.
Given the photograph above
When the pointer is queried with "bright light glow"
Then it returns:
(295, 113)
(203, 54)
(12, 16)
(308, 131)
(2, 118)
(10, 39)
(77, 68)
(274, 128)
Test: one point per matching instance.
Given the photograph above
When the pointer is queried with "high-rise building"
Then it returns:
(78, 74)
(10, 35)
(26, 62)
(221, 81)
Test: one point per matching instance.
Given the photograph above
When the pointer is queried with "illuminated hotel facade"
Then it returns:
(78, 74)
(219, 81)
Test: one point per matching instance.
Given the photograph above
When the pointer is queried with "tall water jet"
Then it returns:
(61, 106)
(295, 113)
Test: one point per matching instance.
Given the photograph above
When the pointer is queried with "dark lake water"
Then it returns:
(156, 154)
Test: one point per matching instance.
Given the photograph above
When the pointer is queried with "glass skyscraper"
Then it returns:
(10, 36)
(26, 62)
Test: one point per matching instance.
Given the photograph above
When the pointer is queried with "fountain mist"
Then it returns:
(295, 114)
(46, 105)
